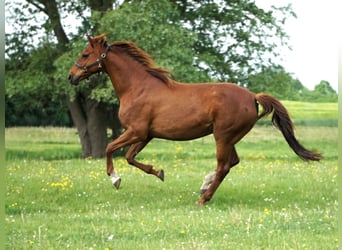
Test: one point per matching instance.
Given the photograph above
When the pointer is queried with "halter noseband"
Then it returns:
(98, 62)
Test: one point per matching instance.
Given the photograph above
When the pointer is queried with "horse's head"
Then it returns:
(90, 61)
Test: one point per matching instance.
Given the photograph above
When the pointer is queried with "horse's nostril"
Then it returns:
(73, 79)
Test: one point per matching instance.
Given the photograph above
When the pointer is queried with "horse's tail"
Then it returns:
(282, 121)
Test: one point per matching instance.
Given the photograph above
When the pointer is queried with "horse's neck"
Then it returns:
(123, 73)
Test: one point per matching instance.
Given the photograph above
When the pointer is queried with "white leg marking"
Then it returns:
(208, 179)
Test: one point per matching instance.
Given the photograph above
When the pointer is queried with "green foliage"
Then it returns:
(323, 92)
(324, 88)
(234, 36)
(275, 81)
(160, 33)
(271, 200)
(31, 96)
(281, 84)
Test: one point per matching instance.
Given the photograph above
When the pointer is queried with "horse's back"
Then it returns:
(219, 99)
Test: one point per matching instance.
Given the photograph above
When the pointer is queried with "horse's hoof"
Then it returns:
(200, 202)
(161, 174)
(116, 182)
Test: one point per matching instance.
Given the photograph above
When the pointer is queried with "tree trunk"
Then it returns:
(90, 119)
(80, 122)
(97, 129)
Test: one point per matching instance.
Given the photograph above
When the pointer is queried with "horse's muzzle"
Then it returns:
(74, 79)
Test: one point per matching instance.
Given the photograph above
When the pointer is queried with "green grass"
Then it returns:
(42, 143)
(313, 114)
(310, 110)
(310, 114)
(271, 200)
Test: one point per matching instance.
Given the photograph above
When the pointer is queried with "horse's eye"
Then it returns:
(85, 56)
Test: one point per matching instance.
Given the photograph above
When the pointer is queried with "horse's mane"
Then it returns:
(139, 55)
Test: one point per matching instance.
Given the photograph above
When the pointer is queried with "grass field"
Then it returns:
(271, 200)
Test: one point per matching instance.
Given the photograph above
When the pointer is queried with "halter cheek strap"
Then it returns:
(98, 62)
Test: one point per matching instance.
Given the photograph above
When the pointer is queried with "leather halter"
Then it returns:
(98, 62)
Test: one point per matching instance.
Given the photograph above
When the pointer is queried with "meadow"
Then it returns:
(271, 200)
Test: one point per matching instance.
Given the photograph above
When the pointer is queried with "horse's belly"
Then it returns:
(173, 130)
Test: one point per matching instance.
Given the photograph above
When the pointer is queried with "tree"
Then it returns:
(235, 38)
(277, 82)
(29, 84)
(198, 40)
(88, 114)
(323, 92)
(324, 88)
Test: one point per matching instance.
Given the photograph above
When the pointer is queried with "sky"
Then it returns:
(314, 39)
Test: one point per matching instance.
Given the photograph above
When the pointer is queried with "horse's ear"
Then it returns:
(101, 39)
(91, 40)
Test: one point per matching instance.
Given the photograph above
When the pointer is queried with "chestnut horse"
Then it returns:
(154, 106)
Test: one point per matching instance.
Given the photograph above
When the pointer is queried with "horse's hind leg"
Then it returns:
(224, 156)
(209, 178)
(133, 151)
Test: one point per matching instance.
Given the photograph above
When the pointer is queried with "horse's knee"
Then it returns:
(109, 150)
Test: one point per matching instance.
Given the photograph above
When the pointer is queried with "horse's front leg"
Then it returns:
(127, 138)
(132, 153)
